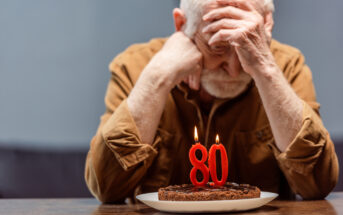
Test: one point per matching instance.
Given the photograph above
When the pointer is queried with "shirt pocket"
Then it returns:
(257, 163)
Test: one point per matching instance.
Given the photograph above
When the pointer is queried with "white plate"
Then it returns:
(151, 199)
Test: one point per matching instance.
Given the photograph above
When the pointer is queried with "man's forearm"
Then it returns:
(147, 100)
(178, 58)
(282, 105)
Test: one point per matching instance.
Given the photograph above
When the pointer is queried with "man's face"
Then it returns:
(222, 76)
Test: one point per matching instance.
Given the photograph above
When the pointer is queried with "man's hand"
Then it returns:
(178, 59)
(240, 23)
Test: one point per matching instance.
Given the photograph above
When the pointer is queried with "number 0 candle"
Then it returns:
(198, 164)
(212, 163)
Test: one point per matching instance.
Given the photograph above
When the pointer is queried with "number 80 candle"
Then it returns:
(200, 164)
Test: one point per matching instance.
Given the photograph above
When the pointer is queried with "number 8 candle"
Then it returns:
(198, 164)
(212, 163)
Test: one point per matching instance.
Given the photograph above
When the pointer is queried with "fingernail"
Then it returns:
(204, 30)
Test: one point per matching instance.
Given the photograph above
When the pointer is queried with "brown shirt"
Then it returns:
(120, 165)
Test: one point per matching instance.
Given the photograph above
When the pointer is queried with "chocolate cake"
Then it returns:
(189, 192)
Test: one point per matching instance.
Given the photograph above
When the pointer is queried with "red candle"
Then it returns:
(198, 164)
(212, 163)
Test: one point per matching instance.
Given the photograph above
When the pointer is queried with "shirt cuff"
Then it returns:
(303, 152)
(122, 137)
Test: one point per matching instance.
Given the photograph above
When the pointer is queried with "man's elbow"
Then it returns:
(315, 195)
(101, 193)
(326, 187)
(107, 198)
(320, 194)
(94, 185)
(325, 175)
(323, 187)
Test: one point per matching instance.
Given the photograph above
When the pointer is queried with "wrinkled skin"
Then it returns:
(240, 24)
(233, 37)
(230, 48)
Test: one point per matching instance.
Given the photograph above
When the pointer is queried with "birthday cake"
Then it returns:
(203, 190)
(189, 192)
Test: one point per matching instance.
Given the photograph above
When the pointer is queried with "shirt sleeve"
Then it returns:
(309, 163)
(118, 159)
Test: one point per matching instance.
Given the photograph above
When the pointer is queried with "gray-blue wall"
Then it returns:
(54, 59)
(315, 27)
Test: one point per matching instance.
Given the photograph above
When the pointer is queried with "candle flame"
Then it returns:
(217, 139)
(196, 138)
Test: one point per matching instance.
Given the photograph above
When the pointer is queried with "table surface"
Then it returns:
(332, 205)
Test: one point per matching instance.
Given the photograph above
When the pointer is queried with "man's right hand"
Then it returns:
(179, 59)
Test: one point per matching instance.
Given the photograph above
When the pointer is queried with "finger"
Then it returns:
(223, 24)
(224, 12)
(226, 35)
(251, 5)
(242, 4)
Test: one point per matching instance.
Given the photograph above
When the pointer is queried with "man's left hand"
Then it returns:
(241, 24)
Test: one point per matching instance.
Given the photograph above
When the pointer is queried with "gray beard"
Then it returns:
(219, 84)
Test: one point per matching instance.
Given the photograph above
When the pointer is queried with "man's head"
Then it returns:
(195, 9)
(222, 76)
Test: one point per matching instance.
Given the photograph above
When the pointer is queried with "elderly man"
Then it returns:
(222, 72)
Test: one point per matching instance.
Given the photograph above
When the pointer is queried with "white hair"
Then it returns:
(194, 10)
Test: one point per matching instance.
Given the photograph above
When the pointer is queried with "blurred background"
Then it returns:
(54, 58)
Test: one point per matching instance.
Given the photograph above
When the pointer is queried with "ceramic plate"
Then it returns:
(151, 199)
